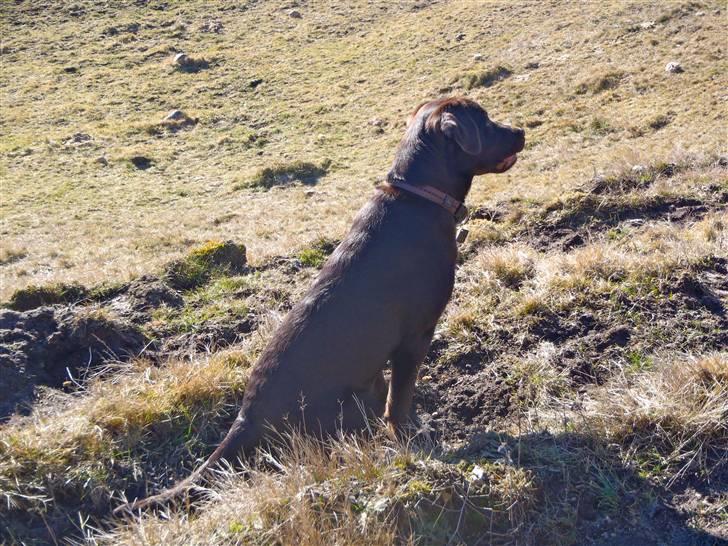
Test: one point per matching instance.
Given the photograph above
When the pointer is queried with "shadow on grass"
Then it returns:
(285, 174)
(584, 495)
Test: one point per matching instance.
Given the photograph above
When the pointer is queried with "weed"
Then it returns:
(660, 121)
(598, 84)
(600, 126)
(316, 254)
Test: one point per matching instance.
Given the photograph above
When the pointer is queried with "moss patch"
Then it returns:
(284, 174)
(203, 262)
(486, 78)
(52, 294)
(316, 254)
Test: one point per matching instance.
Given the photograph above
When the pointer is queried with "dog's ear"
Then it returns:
(463, 129)
(414, 113)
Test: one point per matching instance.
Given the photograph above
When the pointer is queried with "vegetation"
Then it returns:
(33, 296)
(577, 387)
(283, 174)
(214, 257)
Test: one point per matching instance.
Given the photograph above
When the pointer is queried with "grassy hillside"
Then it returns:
(577, 388)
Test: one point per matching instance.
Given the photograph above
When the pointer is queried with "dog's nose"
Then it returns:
(520, 138)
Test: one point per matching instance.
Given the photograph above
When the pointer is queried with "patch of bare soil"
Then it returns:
(462, 395)
(57, 347)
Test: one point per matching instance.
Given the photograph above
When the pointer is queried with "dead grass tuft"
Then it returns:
(69, 453)
(348, 491)
(680, 409)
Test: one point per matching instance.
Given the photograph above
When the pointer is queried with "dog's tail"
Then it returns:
(240, 438)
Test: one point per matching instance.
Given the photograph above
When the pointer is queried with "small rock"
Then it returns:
(70, 69)
(185, 63)
(646, 25)
(255, 82)
(376, 122)
(101, 160)
(478, 57)
(379, 505)
(477, 474)
(181, 59)
(532, 65)
(78, 139)
(459, 36)
(295, 14)
(213, 25)
(309, 193)
(639, 169)
(176, 115)
(673, 67)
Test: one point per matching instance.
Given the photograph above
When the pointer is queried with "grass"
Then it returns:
(683, 416)
(321, 84)
(578, 379)
(70, 457)
(284, 174)
(484, 78)
(201, 263)
(33, 296)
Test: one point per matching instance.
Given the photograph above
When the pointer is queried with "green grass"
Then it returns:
(291, 121)
(33, 296)
(203, 262)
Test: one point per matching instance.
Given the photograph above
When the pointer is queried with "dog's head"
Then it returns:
(473, 143)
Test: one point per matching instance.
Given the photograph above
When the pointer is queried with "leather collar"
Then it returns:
(449, 203)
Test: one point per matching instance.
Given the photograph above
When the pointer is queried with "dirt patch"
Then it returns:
(588, 214)
(208, 337)
(142, 296)
(57, 347)
(459, 395)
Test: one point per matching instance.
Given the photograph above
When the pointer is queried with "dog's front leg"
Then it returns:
(405, 362)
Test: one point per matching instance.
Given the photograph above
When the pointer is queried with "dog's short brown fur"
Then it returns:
(378, 297)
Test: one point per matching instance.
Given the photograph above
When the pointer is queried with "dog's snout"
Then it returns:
(520, 138)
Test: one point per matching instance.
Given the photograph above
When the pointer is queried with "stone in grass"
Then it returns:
(177, 119)
(673, 67)
(79, 139)
(185, 63)
(175, 115)
(295, 14)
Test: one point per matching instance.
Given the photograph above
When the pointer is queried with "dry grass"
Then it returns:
(346, 491)
(324, 77)
(679, 409)
(67, 450)
(281, 147)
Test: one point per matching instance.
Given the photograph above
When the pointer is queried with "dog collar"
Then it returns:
(449, 203)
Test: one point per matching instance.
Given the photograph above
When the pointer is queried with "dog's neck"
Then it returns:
(419, 162)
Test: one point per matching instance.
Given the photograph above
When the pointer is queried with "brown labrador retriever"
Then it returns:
(379, 295)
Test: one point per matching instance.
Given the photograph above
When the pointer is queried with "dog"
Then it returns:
(378, 297)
